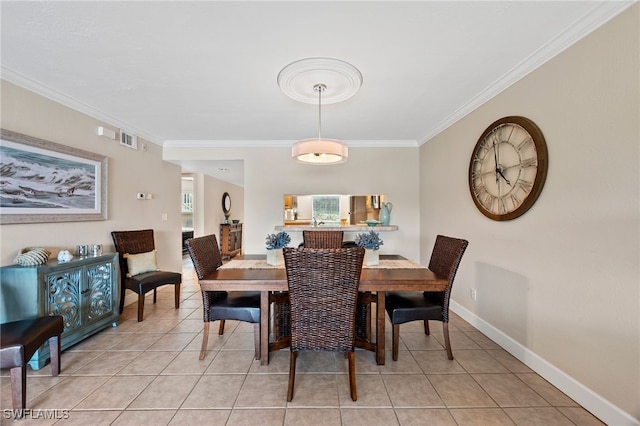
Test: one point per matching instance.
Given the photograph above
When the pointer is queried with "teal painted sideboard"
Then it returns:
(84, 291)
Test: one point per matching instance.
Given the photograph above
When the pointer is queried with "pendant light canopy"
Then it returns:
(344, 81)
(321, 150)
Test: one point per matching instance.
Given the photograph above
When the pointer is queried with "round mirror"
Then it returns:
(226, 203)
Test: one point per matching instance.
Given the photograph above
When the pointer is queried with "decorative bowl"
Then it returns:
(372, 222)
(235, 220)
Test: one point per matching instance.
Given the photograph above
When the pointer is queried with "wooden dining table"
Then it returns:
(372, 279)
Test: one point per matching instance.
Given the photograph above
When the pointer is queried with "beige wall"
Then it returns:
(270, 173)
(208, 214)
(559, 285)
(129, 171)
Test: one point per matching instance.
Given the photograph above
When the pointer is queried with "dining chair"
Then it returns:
(409, 306)
(19, 340)
(322, 239)
(138, 269)
(280, 300)
(323, 290)
(221, 305)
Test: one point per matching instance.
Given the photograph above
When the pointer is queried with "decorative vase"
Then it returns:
(385, 213)
(275, 257)
(371, 257)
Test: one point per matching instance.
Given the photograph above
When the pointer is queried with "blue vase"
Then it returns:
(385, 213)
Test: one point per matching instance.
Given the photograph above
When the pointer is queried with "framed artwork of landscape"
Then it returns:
(42, 181)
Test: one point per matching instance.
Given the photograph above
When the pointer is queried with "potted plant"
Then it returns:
(275, 243)
(371, 242)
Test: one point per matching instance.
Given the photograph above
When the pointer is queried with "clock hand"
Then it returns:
(495, 156)
(503, 177)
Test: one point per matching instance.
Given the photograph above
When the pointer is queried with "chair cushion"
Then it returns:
(141, 263)
(238, 305)
(19, 340)
(408, 306)
(144, 282)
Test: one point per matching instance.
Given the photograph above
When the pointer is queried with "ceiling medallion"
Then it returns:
(298, 79)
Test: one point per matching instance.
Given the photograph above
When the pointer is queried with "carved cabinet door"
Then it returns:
(99, 292)
(64, 297)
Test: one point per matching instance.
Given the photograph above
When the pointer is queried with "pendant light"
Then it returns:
(320, 151)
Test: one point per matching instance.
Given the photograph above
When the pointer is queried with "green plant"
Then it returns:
(369, 240)
(277, 241)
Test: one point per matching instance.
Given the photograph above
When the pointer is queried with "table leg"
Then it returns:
(380, 336)
(264, 327)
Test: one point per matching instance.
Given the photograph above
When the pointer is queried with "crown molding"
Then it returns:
(600, 14)
(178, 143)
(31, 85)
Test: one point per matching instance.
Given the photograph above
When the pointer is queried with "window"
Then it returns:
(326, 209)
(187, 202)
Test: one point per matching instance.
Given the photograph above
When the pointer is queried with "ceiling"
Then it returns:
(204, 73)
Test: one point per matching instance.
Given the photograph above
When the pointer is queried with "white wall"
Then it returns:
(562, 281)
(129, 171)
(208, 214)
(270, 173)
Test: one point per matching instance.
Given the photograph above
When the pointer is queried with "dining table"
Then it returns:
(394, 273)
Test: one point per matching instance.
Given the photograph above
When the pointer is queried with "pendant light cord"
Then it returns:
(319, 88)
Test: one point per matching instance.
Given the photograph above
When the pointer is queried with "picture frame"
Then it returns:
(43, 181)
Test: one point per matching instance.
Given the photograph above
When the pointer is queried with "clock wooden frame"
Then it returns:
(480, 151)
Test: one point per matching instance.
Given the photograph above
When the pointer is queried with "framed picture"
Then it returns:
(42, 181)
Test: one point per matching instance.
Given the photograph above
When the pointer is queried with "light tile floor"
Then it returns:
(148, 373)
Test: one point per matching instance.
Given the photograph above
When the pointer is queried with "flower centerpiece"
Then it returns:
(275, 243)
(371, 242)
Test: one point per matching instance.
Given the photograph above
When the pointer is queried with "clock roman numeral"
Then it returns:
(529, 162)
(480, 190)
(525, 142)
(524, 185)
(515, 200)
(488, 201)
(503, 205)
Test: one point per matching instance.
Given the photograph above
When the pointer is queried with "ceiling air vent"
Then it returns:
(127, 139)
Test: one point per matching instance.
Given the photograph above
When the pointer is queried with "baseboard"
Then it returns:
(591, 401)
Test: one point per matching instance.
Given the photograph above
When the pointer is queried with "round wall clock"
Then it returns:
(508, 168)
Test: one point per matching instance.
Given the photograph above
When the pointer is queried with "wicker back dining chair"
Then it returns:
(409, 306)
(323, 290)
(222, 305)
(280, 300)
(135, 243)
(322, 239)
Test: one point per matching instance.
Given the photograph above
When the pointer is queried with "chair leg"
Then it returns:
(292, 374)
(54, 351)
(122, 294)
(256, 338)
(351, 356)
(396, 340)
(205, 339)
(177, 296)
(141, 306)
(368, 321)
(447, 343)
(221, 328)
(426, 327)
(19, 388)
(155, 296)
